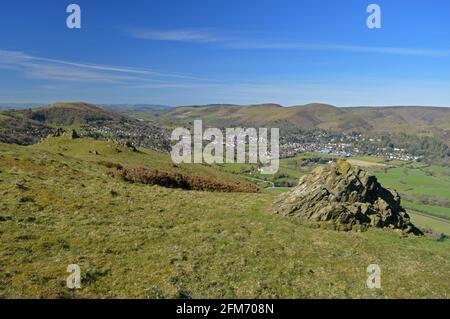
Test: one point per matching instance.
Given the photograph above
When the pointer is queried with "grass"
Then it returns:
(416, 182)
(365, 163)
(437, 211)
(94, 151)
(58, 207)
(426, 222)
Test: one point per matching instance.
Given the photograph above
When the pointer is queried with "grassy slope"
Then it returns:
(147, 241)
(94, 151)
(426, 121)
(426, 222)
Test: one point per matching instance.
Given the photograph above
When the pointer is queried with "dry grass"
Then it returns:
(362, 163)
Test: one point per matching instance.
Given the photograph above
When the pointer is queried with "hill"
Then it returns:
(59, 207)
(32, 125)
(17, 106)
(66, 114)
(423, 121)
(134, 107)
(402, 132)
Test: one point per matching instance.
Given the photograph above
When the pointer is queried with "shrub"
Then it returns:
(175, 180)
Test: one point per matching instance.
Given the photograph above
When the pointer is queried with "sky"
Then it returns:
(186, 52)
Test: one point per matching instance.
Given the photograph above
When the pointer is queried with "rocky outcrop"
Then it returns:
(73, 135)
(345, 197)
(61, 132)
(57, 133)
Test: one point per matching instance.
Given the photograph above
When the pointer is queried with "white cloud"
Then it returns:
(335, 47)
(183, 35)
(52, 69)
(240, 42)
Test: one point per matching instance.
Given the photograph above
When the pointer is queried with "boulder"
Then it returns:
(345, 197)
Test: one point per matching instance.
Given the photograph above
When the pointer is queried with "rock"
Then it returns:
(346, 197)
(59, 132)
(72, 134)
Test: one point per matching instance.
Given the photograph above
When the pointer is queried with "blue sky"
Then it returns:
(226, 51)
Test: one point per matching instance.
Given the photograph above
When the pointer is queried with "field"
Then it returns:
(58, 207)
(427, 222)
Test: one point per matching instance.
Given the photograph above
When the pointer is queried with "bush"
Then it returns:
(175, 180)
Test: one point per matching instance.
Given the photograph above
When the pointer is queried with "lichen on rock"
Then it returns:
(345, 197)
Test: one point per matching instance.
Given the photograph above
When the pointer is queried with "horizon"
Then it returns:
(4, 105)
(175, 53)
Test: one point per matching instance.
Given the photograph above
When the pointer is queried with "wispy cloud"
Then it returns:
(240, 42)
(181, 35)
(60, 70)
(335, 47)
(171, 85)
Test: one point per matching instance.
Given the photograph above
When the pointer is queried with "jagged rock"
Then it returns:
(345, 197)
(59, 132)
(72, 135)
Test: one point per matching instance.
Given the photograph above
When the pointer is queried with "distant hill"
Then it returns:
(31, 125)
(72, 114)
(420, 120)
(17, 106)
(134, 107)
(427, 121)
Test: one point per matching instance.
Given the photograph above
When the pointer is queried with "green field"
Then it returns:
(58, 207)
(429, 222)
(425, 189)
(414, 181)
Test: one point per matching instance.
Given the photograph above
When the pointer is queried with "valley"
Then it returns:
(140, 226)
(224, 159)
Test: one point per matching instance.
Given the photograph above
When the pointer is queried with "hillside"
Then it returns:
(59, 207)
(254, 115)
(29, 126)
(425, 121)
(18, 130)
(72, 114)
(401, 132)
